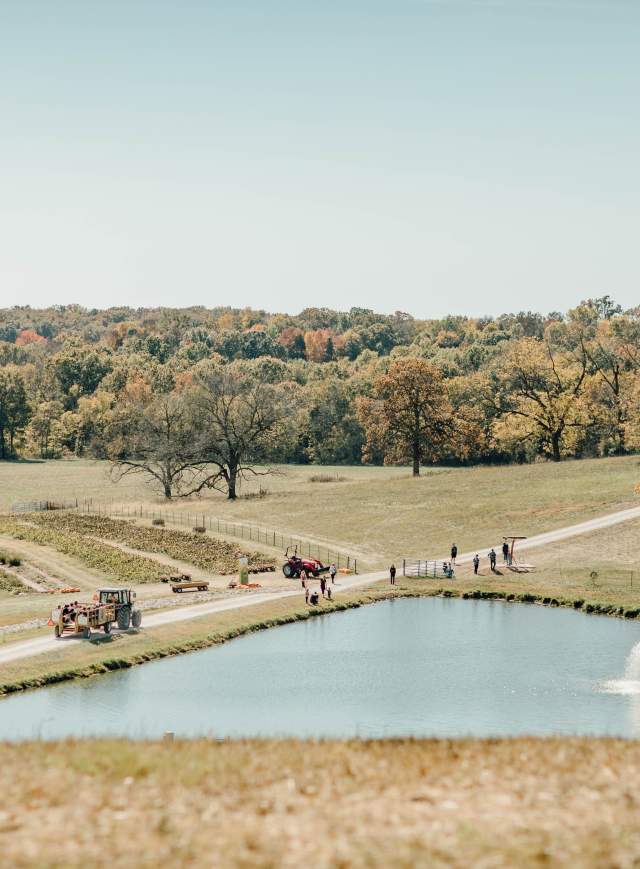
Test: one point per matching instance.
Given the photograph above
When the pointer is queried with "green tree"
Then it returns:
(14, 409)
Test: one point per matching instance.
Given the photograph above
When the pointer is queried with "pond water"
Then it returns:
(422, 667)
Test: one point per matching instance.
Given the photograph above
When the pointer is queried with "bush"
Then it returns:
(326, 478)
(14, 562)
(252, 496)
(199, 529)
(158, 522)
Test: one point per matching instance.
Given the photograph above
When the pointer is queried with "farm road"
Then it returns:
(29, 648)
(558, 534)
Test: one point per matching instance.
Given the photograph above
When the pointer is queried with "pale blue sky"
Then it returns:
(466, 156)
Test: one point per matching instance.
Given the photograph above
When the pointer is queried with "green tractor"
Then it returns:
(123, 599)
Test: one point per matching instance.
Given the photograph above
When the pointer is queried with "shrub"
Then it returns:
(259, 495)
(158, 522)
(326, 478)
(14, 562)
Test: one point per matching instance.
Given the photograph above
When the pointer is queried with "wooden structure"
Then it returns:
(512, 563)
(189, 585)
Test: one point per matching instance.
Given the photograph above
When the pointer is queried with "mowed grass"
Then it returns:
(438, 803)
(375, 513)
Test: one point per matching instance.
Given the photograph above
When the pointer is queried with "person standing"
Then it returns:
(492, 560)
(332, 573)
(323, 585)
(505, 552)
(392, 574)
(306, 594)
(476, 562)
(454, 553)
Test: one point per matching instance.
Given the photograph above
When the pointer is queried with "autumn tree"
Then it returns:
(409, 417)
(536, 390)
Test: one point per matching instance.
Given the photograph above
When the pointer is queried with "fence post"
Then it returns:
(404, 566)
(355, 565)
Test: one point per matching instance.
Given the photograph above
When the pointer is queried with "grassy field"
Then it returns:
(498, 803)
(374, 513)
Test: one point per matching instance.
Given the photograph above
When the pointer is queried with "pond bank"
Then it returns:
(118, 652)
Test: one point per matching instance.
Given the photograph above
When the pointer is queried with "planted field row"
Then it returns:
(121, 566)
(205, 552)
(12, 584)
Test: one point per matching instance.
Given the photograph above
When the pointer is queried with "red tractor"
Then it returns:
(294, 565)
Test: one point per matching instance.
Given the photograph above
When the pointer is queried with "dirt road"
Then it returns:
(39, 645)
(28, 648)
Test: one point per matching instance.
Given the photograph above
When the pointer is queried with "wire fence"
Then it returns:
(247, 532)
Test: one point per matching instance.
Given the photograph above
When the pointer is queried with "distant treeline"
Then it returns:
(501, 389)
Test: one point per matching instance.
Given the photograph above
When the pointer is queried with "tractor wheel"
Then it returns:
(287, 570)
(107, 627)
(124, 618)
(136, 618)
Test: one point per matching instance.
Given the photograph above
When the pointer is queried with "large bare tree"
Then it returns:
(240, 416)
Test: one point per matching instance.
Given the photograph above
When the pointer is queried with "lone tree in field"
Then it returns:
(410, 417)
(240, 417)
(156, 437)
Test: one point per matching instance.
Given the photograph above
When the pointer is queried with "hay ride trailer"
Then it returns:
(82, 618)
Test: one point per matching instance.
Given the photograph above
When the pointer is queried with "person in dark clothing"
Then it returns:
(392, 574)
(454, 553)
(306, 594)
(323, 585)
(505, 552)
(492, 560)
(476, 562)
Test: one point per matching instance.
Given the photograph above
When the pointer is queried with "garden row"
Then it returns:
(207, 553)
(100, 556)
(12, 584)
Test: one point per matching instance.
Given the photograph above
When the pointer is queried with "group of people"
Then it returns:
(312, 597)
(506, 557)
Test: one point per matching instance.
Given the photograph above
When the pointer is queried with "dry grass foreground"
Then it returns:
(502, 803)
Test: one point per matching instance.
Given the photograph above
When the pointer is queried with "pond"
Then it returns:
(421, 667)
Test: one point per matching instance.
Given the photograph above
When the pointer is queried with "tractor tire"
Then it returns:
(107, 627)
(124, 618)
(136, 618)
(287, 570)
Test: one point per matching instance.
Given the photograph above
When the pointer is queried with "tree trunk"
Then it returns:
(2, 456)
(232, 478)
(416, 460)
(555, 445)
(167, 490)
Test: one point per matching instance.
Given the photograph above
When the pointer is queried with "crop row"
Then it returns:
(203, 551)
(119, 565)
(12, 584)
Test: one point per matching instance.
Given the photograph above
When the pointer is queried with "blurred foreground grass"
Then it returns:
(499, 803)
